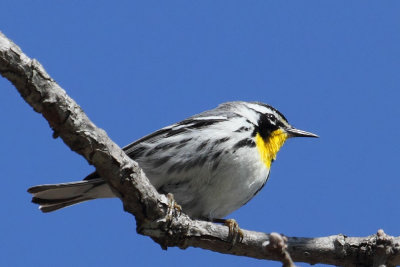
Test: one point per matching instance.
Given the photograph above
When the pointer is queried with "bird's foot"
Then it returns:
(173, 208)
(235, 233)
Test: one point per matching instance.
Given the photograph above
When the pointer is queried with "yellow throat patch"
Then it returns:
(269, 148)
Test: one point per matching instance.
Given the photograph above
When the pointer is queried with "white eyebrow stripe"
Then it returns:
(259, 108)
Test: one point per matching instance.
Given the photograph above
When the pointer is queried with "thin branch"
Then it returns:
(151, 210)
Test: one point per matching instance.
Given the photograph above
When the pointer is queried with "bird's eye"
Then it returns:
(272, 118)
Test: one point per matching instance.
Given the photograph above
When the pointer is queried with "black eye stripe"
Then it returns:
(270, 116)
(266, 126)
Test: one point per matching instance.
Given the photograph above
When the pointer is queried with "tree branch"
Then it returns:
(151, 210)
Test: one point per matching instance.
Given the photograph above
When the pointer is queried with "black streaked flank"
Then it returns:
(187, 165)
(218, 142)
(197, 162)
(242, 129)
(216, 160)
(183, 142)
(244, 142)
(202, 160)
(161, 161)
(190, 164)
(216, 155)
(221, 140)
(202, 145)
(215, 164)
(176, 167)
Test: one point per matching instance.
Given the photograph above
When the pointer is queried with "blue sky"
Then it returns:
(332, 67)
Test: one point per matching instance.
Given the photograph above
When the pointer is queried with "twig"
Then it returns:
(278, 244)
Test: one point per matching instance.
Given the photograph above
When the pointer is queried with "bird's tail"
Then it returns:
(52, 197)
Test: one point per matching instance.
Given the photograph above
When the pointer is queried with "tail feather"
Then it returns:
(44, 201)
(52, 207)
(52, 197)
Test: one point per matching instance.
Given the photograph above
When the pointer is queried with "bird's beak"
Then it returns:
(293, 132)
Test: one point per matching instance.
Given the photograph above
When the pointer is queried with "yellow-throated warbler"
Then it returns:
(213, 162)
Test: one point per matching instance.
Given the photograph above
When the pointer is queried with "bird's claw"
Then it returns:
(235, 233)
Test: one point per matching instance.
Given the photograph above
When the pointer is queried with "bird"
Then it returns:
(212, 163)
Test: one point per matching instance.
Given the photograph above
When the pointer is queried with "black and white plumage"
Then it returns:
(213, 163)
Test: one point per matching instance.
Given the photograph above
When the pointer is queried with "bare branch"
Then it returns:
(151, 210)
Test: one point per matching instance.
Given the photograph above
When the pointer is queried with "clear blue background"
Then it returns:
(332, 67)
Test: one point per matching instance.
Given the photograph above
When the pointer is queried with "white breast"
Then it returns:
(206, 191)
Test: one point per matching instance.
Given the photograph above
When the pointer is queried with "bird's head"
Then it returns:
(271, 130)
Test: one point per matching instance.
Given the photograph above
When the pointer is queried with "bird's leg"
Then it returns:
(235, 233)
(173, 208)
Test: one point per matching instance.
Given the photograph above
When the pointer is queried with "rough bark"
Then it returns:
(154, 215)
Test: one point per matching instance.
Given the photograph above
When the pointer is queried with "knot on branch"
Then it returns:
(170, 229)
(375, 250)
(277, 245)
(384, 248)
